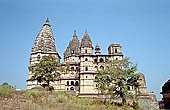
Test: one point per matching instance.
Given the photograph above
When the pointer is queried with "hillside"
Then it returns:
(44, 100)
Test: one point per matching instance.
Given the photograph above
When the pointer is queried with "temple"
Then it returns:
(84, 61)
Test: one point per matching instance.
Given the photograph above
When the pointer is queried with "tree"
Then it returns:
(116, 79)
(46, 71)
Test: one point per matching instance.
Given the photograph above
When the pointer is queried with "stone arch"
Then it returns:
(72, 68)
(85, 50)
(76, 83)
(72, 88)
(101, 60)
(95, 60)
(102, 67)
(115, 50)
(67, 82)
(72, 83)
(96, 68)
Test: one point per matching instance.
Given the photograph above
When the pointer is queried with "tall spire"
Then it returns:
(73, 47)
(45, 41)
(86, 41)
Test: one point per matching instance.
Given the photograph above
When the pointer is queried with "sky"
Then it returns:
(141, 27)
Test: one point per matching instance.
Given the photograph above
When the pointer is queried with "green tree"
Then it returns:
(115, 80)
(46, 71)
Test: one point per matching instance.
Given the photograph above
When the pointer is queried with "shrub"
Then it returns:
(6, 89)
(31, 94)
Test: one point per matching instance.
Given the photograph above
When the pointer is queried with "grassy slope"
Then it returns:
(43, 100)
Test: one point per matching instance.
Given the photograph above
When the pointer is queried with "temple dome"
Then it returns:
(45, 42)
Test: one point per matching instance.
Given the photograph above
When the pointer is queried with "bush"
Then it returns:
(6, 89)
(31, 94)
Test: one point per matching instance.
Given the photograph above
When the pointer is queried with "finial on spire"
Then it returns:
(86, 31)
(75, 32)
(47, 20)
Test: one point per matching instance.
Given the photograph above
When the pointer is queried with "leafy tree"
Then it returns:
(46, 71)
(116, 79)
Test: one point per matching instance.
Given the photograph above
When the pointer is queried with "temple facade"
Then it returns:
(83, 58)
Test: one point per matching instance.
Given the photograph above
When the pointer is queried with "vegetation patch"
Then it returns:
(6, 89)
(31, 94)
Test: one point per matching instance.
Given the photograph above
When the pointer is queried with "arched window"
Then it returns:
(72, 88)
(128, 87)
(102, 67)
(95, 60)
(77, 83)
(72, 68)
(38, 58)
(132, 87)
(86, 59)
(107, 67)
(115, 50)
(86, 68)
(86, 51)
(96, 85)
(101, 60)
(67, 83)
(72, 83)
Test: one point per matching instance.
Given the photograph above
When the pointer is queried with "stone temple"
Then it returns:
(83, 63)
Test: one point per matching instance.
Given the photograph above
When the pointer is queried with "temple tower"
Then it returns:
(73, 50)
(86, 45)
(86, 66)
(44, 45)
(71, 57)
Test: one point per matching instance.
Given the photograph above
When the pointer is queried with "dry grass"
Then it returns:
(43, 100)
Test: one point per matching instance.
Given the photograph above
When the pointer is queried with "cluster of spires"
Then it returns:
(45, 42)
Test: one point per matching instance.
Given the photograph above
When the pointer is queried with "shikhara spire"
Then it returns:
(86, 41)
(73, 47)
(45, 42)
